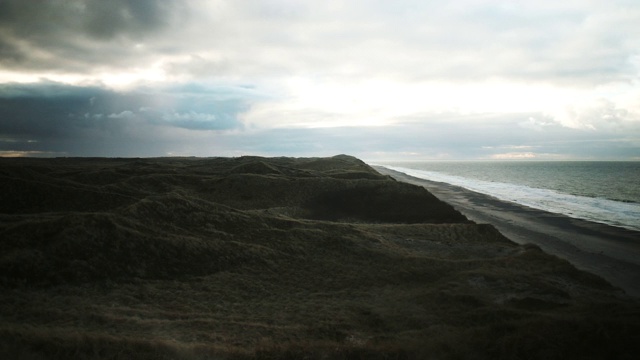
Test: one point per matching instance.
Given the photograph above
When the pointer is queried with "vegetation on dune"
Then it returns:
(263, 258)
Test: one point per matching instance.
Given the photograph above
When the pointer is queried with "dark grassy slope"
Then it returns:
(274, 258)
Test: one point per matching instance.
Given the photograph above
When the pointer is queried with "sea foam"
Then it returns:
(616, 213)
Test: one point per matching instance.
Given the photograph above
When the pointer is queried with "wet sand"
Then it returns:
(607, 251)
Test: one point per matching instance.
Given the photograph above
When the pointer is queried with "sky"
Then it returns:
(380, 80)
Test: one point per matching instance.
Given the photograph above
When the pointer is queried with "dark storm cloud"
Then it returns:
(60, 118)
(60, 34)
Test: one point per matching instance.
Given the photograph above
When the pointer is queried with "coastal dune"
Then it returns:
(608, 251)
(263, 258)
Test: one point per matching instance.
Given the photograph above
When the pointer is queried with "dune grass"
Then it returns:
(254, 258)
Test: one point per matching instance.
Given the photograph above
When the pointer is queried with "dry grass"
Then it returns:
(254, 258)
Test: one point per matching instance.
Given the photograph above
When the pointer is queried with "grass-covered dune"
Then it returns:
(265, 258)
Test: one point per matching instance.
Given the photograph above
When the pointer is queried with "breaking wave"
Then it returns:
(611, 212)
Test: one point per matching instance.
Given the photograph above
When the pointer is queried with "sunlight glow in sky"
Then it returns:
(463, 79)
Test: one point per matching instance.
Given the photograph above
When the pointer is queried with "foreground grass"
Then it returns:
(255, 258)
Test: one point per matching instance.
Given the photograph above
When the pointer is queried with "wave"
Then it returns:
(610, 212)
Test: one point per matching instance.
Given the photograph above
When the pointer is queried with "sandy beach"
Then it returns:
(610, 252)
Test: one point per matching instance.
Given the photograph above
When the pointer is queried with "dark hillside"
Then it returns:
(263, 258)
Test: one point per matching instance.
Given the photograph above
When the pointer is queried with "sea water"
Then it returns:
(600, 191)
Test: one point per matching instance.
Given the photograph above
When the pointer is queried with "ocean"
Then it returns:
(600, 191)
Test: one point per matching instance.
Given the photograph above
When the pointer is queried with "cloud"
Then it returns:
(464, 79)
(571, 42)
(77, 121)
(13, 154)
(436, 137)
(430, 40)
(514, 156)
(74, 119)
(75, 36)
(538, 124)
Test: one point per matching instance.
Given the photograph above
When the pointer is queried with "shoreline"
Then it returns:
(610, 252)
